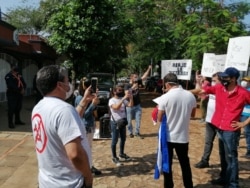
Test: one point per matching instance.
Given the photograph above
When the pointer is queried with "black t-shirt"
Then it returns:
(135, 92)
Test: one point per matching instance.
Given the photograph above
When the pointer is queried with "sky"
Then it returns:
(6, 4)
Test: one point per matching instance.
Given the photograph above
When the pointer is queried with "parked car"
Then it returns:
(150, 84)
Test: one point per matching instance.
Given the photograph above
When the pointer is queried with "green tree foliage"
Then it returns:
(178, 29)
(92, 33)
(26, 19)
(127, 35)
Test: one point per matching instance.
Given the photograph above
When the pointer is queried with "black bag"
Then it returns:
(121, 123)
(104, 127)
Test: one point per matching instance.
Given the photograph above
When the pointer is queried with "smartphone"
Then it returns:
(94, 83)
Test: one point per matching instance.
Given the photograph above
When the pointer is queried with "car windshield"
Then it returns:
(105, 80)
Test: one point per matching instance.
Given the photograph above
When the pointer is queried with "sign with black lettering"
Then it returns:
(182, 68)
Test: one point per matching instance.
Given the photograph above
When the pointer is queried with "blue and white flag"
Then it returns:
(162, 153)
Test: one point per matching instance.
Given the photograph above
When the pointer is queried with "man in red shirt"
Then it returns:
(230, 101)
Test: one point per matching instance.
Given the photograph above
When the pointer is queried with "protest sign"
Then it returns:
(238, 52)
(212, 63)
(182, 68)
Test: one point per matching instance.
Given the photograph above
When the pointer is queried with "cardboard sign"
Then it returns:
(212, 63)
(238, 53)
(182, 68)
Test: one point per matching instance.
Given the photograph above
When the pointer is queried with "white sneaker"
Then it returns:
(116, 161)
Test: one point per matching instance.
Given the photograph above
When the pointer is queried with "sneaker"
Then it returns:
(95, 171)
(202, 164)
(131, 135)
(247, 155)
(124, 157)
(116, 161)
(218, 181)
(138, 135)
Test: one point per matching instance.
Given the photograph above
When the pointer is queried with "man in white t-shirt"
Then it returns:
(62, 148)
(177, 104)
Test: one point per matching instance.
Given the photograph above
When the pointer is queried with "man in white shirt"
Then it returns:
(62, 148)
(177, 104)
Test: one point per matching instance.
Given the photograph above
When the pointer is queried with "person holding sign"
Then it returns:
(229, 103)
(201, 82)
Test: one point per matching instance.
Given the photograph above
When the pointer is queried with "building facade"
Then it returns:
(28, 52)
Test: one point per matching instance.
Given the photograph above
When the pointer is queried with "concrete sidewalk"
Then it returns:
(18, 164)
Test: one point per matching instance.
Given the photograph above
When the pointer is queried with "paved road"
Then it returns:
(18, 164)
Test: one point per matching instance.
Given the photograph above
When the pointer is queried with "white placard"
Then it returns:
(220, 61)
(208, 65)
(182, 68)
(238, 52)
(212, 63)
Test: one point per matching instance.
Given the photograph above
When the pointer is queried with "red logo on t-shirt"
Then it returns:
(39, 133)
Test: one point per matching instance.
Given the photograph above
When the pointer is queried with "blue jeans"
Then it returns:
(209, 139)
(134, 112)
(228, 143)
(247, 131)
(115, 133)
(181, 150)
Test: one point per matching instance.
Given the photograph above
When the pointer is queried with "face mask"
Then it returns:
(69, 92)
(120, 94)
(226, 83)
(243, 83)
(213, 84)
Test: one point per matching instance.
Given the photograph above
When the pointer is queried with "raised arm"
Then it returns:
(81, 107)
(145, 75)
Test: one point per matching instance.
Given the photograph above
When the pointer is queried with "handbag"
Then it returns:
(120, 123)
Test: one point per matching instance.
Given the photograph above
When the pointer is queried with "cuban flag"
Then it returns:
(162, 164)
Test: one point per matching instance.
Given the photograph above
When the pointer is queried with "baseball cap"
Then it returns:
(230, 72)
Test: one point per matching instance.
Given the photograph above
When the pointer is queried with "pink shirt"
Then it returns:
(228, 107)
(204, 84)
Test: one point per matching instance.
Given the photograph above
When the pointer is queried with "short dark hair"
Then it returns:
(48, 76)
(171, 78)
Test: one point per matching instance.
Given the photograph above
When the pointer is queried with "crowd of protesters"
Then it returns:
(69, 131)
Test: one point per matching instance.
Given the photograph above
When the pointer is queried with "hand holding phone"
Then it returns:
(94, 82)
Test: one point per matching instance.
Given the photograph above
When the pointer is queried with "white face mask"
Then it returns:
(69, 93)
(243, 83)
(213, 84)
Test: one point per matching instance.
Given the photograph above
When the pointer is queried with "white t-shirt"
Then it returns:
(210, 108)
(54, 124)
(177, 104)
(121, 112)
